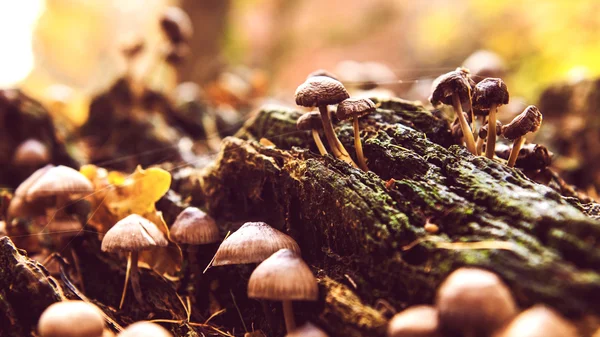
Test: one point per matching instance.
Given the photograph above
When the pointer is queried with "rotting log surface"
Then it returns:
(352, 227)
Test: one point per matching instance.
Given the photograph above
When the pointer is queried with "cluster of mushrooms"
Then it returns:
(320, 90)
(280, 274)
(455, 88)
(475, 302)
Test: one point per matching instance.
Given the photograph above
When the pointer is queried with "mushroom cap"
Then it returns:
(176, 24)
(145, 329)
(484, 63)
(487, 92)
(22, 189)
(322, 72)
(532, 157)
(59, 180)
(416, 321)
(320, 90)
(307, 330)
(354, 107)
(473, 302)
(71, 319)
(310, 121)
(283, 276)
(133, 233)
(538, 321)
(527, 121)
(457, 82)
(194, 227)
(31, 152)
(252, 243)
(483, 131)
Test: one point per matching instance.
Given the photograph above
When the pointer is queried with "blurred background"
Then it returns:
(71, 49)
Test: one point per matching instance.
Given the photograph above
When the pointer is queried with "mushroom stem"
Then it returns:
(472, 115)
(480, 142)
(135, 278)
(467, 134)
(491, 137)
(514, 153)
(127, 273)
(334, 143)
(288, 315)
(319, 143)
(362, 163)
(194, 266)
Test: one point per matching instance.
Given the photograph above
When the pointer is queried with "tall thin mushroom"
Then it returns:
(355, 108)
(454, 88)
(527, 121)
(284, 277)
(321, 91)
(312, 122)
(489, 94)
(194, 227)
(133, 234)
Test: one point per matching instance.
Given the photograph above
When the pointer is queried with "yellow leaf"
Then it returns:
(140, 191)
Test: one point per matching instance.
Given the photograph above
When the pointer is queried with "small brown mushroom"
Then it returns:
(307, 330)
(528, 121)
(454, 88)
(71, 319)
(284, 277)
(312, 121)
(252, 243)
(538, 321)
(133, 234)
(321, 91)
(456, 130)
(354, 108)
(487, 96)
(176, 25)
(483, 135)
(31, 153)
(145, 329)
(193, 227)
(417, 321)
(473, 302)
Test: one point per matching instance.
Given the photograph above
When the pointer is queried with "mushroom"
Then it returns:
(133, 234)
(307, 330)
(456, 130)
(71, 319)
(193, 227)
(252, 243)
(312, 121)
(354, 108)
(528, 121)
(321, 91)
(454, 88)
(31, 153)
(473, 302)
(488, 95)
(483, 135)
(416, 321)
(284, 277)
(18, 205)
(145, 329)
(55, 189)
(538, 321)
